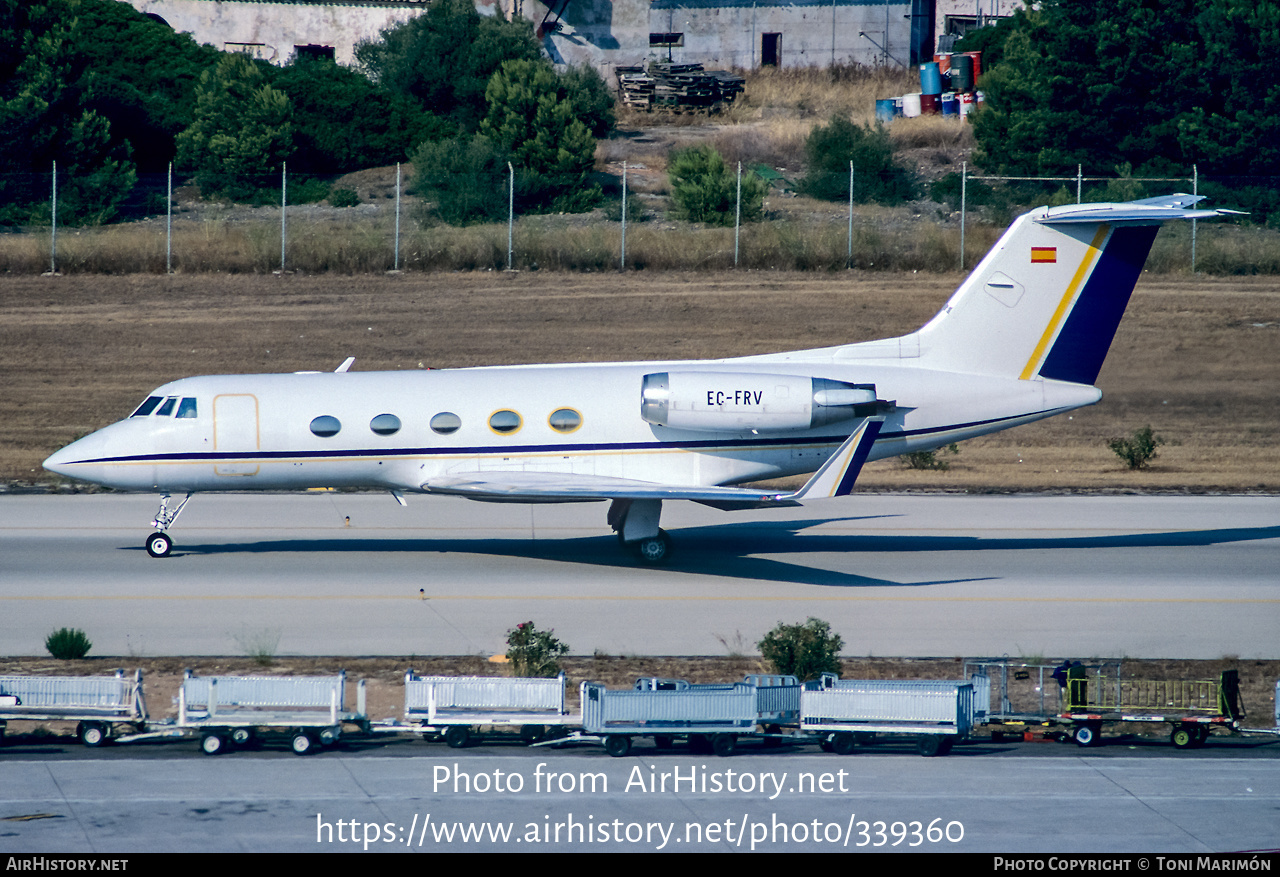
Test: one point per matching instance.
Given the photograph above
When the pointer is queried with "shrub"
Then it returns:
(705, 189)
(344, 198)
(467, 177)
(68, 643)
(1137, 450)
(876, 176)
(534, 653)
(929, 459)
(804, 650)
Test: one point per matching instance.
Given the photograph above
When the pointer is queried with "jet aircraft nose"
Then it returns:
(64, 461)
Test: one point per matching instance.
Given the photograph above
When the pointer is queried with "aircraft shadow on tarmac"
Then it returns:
(734, 550)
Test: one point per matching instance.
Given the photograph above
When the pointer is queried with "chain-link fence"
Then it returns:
(282, 222)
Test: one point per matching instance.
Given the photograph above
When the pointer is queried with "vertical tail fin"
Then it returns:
(1046, 301)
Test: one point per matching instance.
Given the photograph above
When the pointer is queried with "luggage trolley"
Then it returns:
(457, 707)
(96, 703)
(848, 712)
(234, 711)
(666, 709)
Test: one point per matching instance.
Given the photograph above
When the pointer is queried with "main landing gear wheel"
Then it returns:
(159, 545)
(653, 550)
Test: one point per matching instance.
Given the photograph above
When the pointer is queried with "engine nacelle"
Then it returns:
(732, 401)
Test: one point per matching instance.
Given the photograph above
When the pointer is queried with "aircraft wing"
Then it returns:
(835, 478)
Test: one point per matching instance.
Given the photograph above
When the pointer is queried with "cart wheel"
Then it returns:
(723, 744)
(617, 745)
(1183, 737)
(843, 743)
(458, 736)
(532, 733)
(242, 738)
(92, 733)
(213, 744)
(929, 745)
(1086, 735)
(303, 743)
(826, 745)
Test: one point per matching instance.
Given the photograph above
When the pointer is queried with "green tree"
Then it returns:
(876, 176)
(466, 177)
(46, 116)
(343, 121)
(803, 650)
(445, 58)
(705, 189)
(1159, 86)
(144, 77)
(532, 118)
(242, 131)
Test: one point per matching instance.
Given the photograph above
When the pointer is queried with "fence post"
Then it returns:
(511, 214)
(1195, 190)
(53, 210)
(622, 266)
(168, 222)
(284, 188)
(1079, 180)
(964, 185)
(849, 258)
(395, 266)
(737, 217)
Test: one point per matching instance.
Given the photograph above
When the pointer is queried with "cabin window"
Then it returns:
(167, 408)
(446, 423)
(565, 420)
(505, 422)
(385, 424)
(325, 425)
(186, 408)
(148, 406)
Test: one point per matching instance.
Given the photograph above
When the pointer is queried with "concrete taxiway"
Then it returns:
(352, 574)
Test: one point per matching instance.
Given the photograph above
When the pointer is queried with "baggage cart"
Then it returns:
(847, 712)
(98, 704)
(714, 714)
(235, 711)
(457, 707)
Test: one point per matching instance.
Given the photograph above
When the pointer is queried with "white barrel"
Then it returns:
(911, 105)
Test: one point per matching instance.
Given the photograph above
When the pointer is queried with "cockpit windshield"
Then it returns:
(186, 407)
(148, 406)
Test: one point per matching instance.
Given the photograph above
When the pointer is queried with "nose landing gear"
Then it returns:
(158, 543)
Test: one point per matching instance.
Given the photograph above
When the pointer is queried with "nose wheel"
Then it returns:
(159, 545)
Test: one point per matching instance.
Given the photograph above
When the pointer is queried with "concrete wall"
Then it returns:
(730, 33)
(272, 30)
(717, 33)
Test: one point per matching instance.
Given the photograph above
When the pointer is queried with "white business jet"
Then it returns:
(1023, 338)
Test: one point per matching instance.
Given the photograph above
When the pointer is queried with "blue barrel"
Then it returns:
(930, 78)
(950, 104)
(884, 110)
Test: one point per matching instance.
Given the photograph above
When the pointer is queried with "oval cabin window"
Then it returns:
(505, 422)
(385, 424)
(446, 422)
(325, 426)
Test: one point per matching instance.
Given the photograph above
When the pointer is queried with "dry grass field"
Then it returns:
(1195, 357)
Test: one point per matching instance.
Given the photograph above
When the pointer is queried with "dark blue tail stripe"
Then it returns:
(1082, 345)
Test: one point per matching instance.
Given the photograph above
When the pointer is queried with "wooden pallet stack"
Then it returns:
(677, 87)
